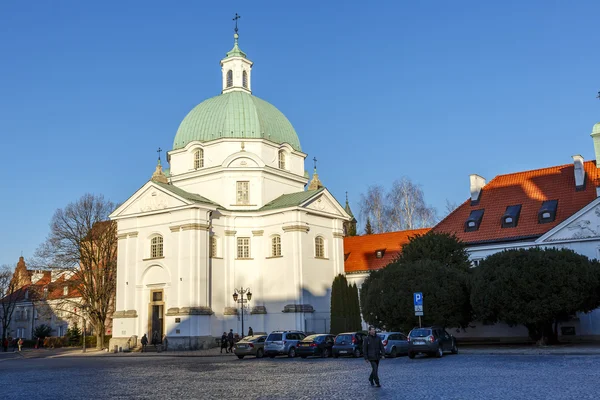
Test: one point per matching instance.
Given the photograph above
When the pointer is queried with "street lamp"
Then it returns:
(239, 293)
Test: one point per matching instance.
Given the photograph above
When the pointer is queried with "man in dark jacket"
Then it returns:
(230, 340)
(373, 351)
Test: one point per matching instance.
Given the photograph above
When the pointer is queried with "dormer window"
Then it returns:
(229, 78)
(65, 290)
(474, 220)
(198, 159)
(245, 79)
(46, 292)
(379, 253)
(510, 219)
(281, 159)
(547, 212)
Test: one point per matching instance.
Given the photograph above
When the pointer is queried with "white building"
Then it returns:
(549, 207)
(232, 212)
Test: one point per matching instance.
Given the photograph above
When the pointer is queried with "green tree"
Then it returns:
(442, 247)
(386, 296)
(74, 335)
(42, 331)
(535, 287)
(345, 311)
(356, 318)
(368, 227)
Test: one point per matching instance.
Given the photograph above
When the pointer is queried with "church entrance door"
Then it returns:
(156, 316)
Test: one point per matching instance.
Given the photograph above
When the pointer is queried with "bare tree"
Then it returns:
(403, 207)
(406, 207)
(451, 206)
(83, 240)
(373, 208)
(9, 297)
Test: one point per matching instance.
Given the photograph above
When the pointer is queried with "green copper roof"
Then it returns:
(236, 51)
(238, 115)
(290, 200)
(186, 195)
(596, 129)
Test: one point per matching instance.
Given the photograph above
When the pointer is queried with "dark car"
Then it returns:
(316, 345)
(348, 344)
(431, 341)
(251, 346)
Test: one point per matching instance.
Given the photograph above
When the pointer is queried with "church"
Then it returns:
(234, 213)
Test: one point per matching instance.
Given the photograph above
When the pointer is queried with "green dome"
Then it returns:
(596, 129)
(237, 115)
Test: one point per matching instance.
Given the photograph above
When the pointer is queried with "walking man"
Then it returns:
(250, 331)
(230, 339)
(373, 351)
(144, 342)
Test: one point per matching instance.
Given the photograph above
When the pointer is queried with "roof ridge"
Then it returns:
(538, 169)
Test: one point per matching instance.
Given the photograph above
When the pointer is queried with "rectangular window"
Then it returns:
(243, 247)
(243, 188)
(156, 296)
(65, 290)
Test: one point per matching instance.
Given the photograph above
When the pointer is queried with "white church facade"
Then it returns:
(232, 212)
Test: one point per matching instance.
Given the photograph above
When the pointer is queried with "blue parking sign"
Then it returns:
(418, 297)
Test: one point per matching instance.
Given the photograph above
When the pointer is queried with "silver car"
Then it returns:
(250, 346)
(395, 343)
(283, 342)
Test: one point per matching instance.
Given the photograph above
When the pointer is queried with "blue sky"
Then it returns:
(433, 90)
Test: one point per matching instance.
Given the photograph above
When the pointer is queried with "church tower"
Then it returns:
(236, 68)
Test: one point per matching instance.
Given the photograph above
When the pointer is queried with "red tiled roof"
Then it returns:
(359, 251)
(530, 189)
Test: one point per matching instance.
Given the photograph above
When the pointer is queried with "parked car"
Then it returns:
(316, 345)
(283, 342)
(395, 343)
(250, 346)
(348, 344)
(431, 341)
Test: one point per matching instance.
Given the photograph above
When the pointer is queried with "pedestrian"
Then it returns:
(230, 340)
(165, 342)
(224, 342)
(250, 331)
(37, 343)
(155, 338)
(373, 351)
(20, 343)
(144, 342)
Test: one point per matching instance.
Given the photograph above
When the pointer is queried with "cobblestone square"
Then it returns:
(172, 377)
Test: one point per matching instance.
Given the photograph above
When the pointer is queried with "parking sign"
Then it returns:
(418, 296)
(418, 300)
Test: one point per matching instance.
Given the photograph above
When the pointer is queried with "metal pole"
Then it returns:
(84, 335)
(420, 322)
(242, 292)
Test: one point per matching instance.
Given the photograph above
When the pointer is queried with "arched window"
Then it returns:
(276, 246)
(229, 78)
(213, 246)
(281, 159)
(319, 247)
(156, 247)
(198, 159)
(245, 79)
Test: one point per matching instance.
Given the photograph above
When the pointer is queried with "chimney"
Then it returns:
(579, 172)
(477, 183)
(596, 138)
